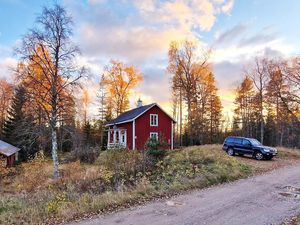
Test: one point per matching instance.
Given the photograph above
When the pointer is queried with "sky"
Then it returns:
(139, 32)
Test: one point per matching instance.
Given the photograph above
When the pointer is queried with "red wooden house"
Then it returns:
(133, 128)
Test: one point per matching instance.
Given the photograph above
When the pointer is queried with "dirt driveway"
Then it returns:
(265, 199)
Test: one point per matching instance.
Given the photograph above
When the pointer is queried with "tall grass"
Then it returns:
(116, 179)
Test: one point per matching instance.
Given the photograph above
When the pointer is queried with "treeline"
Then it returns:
(268, 102)
(196, 103)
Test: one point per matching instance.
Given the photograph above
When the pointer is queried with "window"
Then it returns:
(246, 142)
(238, 141)
(255, 142)
(153, 120)
(229, 140)
(154, 135)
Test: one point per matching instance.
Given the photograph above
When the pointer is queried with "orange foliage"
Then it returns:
(36, 78)
(120, 79)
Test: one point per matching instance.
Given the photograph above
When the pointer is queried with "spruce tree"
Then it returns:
(19, 128)
(15, 115)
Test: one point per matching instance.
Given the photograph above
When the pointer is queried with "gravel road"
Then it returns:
(266, 199)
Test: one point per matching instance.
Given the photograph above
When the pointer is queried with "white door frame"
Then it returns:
(121, 138)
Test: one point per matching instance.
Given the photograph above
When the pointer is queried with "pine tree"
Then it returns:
(87, 132)
(15, 115)
(19, 128)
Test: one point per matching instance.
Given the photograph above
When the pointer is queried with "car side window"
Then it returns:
(238, 141)
(229, 140)
(246, 142)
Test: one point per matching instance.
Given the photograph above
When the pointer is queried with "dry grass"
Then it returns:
(293, 221)
(288, 153)
(30, 196)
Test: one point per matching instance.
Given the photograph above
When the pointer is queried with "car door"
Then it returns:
(247, 147)
(238, 146)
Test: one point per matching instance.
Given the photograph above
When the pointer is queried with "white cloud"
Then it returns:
(139, 32)
(6, 68)
(189, 14)
(7, 63)
(228, 6)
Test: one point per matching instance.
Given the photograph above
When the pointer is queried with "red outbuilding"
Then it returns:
(8, 154)
(132, 129)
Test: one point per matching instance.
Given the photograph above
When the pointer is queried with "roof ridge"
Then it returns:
(131, 114)
(135, 109)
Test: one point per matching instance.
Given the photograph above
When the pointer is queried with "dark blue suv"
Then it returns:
(248, 146)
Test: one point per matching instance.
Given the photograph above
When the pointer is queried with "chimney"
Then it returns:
(139, 103)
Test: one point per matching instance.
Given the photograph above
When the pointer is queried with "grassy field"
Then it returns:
(118, 179)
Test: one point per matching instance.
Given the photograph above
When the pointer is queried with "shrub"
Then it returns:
(127, 166)
(35, 174)
(157, 154)
(84, 154)
(156, 148)
(157, 144)
(54, 204)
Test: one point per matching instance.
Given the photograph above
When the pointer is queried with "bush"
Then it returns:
(127, 166)
(157, 154)
(156, 148)
(35, 174)
(157, 144)
(58, 201)
(84, 154)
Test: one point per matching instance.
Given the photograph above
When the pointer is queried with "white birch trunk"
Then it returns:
(54, 154)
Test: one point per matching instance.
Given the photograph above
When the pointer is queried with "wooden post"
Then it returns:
(108, 141)
(115, 136)
(172, 144)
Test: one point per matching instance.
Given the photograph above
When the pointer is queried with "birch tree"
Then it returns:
(259, 76)
(184, 64)
(49, 46)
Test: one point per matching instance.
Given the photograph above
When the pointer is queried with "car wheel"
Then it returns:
(230, 152)
(258, 156)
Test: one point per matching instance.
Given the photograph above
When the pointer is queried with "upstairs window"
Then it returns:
(153, 120)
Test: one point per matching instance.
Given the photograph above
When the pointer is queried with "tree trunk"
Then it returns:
(54, 153)
(261, 118)
(180, 118)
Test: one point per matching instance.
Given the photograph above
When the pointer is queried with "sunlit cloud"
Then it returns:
(140, 35)
(138, 32)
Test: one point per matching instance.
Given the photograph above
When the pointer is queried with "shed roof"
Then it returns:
(132, 114)
(7, 149)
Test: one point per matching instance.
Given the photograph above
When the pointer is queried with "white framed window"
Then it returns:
(153, 120)
(154, 135)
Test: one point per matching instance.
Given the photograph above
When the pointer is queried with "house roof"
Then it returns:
(132, 114)
(7, 149)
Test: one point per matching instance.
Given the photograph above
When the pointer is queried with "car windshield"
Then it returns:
(254, 142)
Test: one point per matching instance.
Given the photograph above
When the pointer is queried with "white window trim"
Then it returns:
(151, 125)
(156, 133)
(172, 135)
